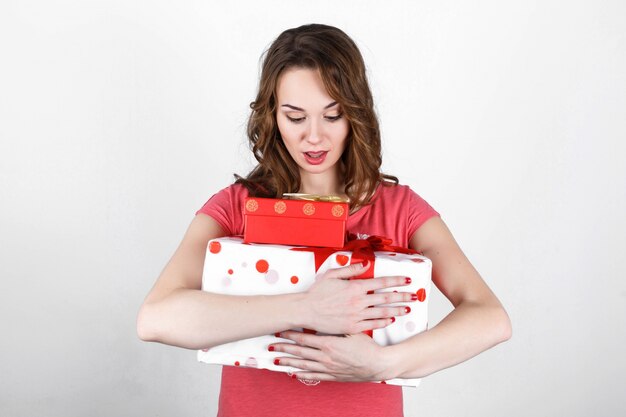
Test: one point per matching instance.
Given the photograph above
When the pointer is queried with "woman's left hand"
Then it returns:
(333, 358)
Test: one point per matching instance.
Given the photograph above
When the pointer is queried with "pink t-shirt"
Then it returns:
(396, 212)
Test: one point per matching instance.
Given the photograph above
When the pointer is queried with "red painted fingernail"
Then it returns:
(276, 362)
(393, 319)
(407, 310)
(366, 264)
(414, 297)
(407, 280)
(277, 334)
(270, 348)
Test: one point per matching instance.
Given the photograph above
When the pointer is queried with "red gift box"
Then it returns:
(295, 222)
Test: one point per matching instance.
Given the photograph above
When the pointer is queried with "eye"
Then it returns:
(295, 119)
(334, 118)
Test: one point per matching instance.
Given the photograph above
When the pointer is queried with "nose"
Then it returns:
(313, 134)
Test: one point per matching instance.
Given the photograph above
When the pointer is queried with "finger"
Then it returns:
(297, 350)
(390, 298)
(383, 282)
(384, 312)
(303, 364)
(349, 271)
(373, 324)
(304, 339)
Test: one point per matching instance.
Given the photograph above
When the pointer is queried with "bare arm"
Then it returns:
(477, 323)
(177, 312)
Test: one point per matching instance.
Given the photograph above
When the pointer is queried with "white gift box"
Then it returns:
(234, 268)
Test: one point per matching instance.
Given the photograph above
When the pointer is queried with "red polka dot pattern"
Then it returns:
(215, 247)
(417, 260)
(230, 272)
(237, 363)
(342, 260)
(421, 295)
(262, 266)
(294, 279)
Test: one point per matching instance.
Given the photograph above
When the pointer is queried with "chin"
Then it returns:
(317, 169)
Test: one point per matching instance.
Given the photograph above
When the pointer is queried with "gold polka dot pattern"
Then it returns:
(252, 206)
(308, 209)
(337, 210)
(280, 207)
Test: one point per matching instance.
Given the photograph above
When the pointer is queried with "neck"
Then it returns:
(326, 183)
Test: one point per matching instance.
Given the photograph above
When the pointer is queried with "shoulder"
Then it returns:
(389, 190)
(396, 197)
(400, 198)
(226, 207)
(232, 194)
(235, 190)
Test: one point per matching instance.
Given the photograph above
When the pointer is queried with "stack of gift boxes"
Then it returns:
(286, 244)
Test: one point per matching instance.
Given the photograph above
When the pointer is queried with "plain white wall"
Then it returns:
(119, 119)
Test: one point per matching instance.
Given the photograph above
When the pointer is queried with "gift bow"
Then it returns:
(362, 250)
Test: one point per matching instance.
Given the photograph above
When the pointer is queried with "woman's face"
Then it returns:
(310, 122)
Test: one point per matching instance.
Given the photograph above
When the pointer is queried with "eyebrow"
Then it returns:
(300, 109)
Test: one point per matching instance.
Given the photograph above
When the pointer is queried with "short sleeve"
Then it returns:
(226, 208)
(418, 212)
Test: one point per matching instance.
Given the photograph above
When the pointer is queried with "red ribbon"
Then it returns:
(362, 250)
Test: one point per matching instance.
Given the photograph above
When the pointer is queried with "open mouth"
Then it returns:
(315, 154)
(315, 158)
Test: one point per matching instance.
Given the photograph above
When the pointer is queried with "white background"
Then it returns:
(119, 119)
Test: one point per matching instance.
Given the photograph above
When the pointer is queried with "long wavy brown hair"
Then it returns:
(337, 59)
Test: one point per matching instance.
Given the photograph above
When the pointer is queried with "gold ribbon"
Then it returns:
(316, 197)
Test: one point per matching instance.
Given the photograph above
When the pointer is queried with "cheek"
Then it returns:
(286, 134)
(282, 129)
(289, 134)
(342, 132)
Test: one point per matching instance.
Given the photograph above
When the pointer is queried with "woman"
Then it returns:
(313, 130)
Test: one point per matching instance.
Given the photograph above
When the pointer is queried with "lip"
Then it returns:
(315, 161)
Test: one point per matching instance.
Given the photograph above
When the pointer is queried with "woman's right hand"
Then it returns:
(336, 305)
